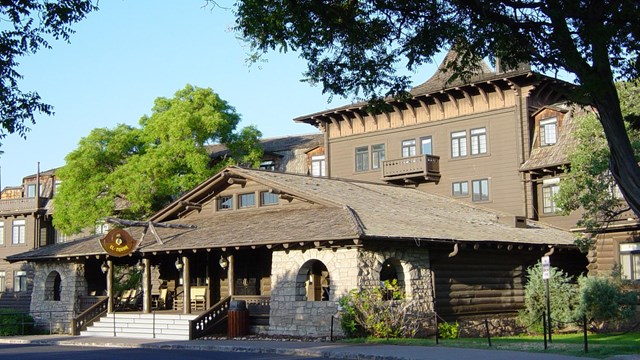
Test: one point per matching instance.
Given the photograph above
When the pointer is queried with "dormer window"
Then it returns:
(225, 203)
(548, 131)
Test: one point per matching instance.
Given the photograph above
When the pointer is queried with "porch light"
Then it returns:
(104, 267)
(223, 262)
(140, 265)
(179, 264)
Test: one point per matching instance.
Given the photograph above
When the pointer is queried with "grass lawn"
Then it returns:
(599, 345)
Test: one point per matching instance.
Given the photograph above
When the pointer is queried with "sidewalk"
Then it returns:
(297, 348)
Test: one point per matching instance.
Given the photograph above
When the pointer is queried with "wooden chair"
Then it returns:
(161, 301)
(198, 298)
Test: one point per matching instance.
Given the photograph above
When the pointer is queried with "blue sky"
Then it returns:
(130, 52)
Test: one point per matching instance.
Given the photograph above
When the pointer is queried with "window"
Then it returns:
(61, 237)
(377, 156)
(1, 233)
(3, 282)
(268, 198)
(20, 281)
(31, 190)
(425, 146)
(460, 188)
(548, 132)
(458, 144)
(408, 148)
(478, 141)
(480, 190)
(101, 228)
(225, 203)
(362, 158)
(548, 204)
(268, 165)
(18, 232)
(630, 261)
(56, 187)
(247, 200)
(318, 166)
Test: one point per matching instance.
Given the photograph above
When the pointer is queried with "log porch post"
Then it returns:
(231, 275)
(186, 293)
(110, 286)
(146, 286)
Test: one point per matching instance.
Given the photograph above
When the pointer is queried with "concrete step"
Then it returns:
(142, 326)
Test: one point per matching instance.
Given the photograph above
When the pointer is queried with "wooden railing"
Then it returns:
(88, 316)
(422, 166)
(209, 319)
(21, 204)
(258, 307)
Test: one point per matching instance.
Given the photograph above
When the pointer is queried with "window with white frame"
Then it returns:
(31, 190)
(20, 281)
(458, 144)
(247, 200)
(408, 148)
(480, 190)
(548, 131)
(1, 233)
(426, 145)
(3, 281)
(268, 165)
(550, 188)
(377, 156)
(460, 188)
(225, 203)
(362, 158)
(478, 141)
(18, 232)
(61, 237)
(630, 261)
(101, 228)
(56, 187)
(318, 166)
(268, 198)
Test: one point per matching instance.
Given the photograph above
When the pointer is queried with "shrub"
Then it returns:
(604, 299)
(11, 323)
(448, 330)
(562, 297)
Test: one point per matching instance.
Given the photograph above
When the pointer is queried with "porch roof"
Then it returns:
(340, 210)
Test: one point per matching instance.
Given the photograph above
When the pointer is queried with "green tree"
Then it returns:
(135, 171)
(356, 47)
(27, 26)
(588, 184)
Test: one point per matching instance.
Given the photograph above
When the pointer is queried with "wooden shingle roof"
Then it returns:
(340, 210)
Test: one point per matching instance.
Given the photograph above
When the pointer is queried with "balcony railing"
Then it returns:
(21, 204)
(422, 168)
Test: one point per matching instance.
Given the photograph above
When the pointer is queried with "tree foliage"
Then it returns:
(604, 299)
(143, 168)
(27, 26)
(356, 47)
(588, 184)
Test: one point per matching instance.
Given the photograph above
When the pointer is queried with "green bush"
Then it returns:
(604, 299)
(11, 323)
(563, 296)
(448, 330)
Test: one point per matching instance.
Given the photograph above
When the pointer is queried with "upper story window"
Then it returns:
(480, 190)
(549, 190)
(478, 141)
(630, 261)
(268, 165)
(318, 166)
(362, 158)
(548, 131)
(3, 281)
(247, 200)
(56, 186)
(377, 156)
(268, 198)
(426, 146)
(31, 190)
(1, 233)
(408, 148)
(225, 203)
(18, 232)
(101, 228)
(458, 144)
(460, 188)
(61, 237)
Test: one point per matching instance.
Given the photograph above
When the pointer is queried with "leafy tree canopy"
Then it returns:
(355, 47)
(27, 26)
(143, 168)
(588, 184)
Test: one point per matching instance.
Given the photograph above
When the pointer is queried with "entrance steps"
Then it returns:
(142, 326)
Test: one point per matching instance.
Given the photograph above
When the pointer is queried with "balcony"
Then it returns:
(21, 205)
(412, 170)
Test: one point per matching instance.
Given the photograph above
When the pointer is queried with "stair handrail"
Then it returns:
(206, 321)
(88, 316)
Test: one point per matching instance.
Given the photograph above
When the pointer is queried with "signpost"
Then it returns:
(546, 274)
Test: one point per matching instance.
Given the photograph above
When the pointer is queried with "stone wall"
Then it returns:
(48, 312)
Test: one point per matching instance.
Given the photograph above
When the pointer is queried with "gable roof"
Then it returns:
(275, 144)
(339, 210)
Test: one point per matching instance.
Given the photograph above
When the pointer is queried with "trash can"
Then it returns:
(237, 318)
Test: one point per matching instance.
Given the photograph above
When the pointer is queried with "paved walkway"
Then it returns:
(299, 348)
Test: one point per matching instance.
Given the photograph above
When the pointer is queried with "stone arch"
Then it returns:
(313, 282)
(53, 286)
(391, 271)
